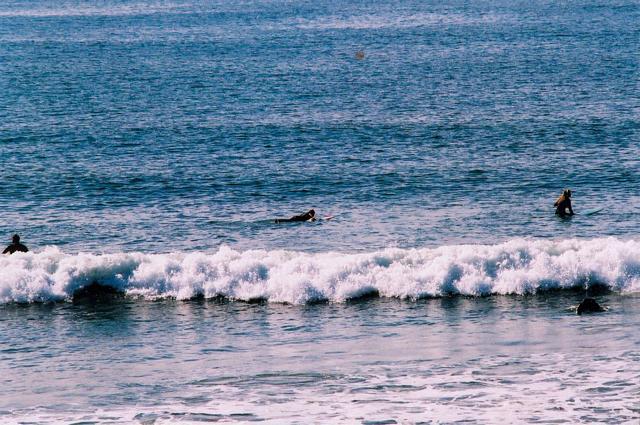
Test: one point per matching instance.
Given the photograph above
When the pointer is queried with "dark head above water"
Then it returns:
(589, 305)
(15, 246)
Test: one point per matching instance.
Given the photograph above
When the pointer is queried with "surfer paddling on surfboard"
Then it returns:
(308, 216)
(563, 203)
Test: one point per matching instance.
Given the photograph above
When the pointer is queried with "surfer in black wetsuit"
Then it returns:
(563, 203)
(15, 246)
(308, 216)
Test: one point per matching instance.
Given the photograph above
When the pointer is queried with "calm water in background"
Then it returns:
(160, 126)
(166, 135)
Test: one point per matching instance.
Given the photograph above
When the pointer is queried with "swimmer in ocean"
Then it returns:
(563, 203)
(308, 216)
(15, 246)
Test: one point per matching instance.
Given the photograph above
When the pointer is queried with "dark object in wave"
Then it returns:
(97, 293)
(589, 305)
(366, 295)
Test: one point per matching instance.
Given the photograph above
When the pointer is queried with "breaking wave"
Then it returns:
(518, 266)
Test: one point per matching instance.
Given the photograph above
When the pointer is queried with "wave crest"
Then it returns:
(518, 266)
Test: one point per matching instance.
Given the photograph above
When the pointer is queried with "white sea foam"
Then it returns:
(515, 267)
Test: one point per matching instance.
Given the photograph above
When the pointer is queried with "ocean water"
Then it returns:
(147, 146)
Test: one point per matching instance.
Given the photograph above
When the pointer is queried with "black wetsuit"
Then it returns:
(562, 204)
(302, 217)
(15, 247)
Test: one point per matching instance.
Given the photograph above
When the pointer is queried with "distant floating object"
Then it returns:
(359, 55)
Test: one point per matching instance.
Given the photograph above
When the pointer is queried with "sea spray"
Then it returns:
(519, 266)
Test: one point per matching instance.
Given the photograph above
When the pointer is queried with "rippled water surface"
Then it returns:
(147, 146)
(160, 126)
(487, 360)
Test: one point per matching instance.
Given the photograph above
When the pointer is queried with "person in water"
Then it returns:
(15, 246)
(563, 203)
(308, 216)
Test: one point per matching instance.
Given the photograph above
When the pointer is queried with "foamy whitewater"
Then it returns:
(514, 267)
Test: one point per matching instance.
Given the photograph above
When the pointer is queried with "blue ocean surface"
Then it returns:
(146, 148)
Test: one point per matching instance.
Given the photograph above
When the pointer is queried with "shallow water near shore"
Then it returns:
(521, 359)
